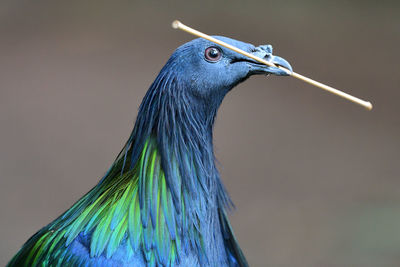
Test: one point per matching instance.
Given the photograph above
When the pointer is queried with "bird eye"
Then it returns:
(213, 54)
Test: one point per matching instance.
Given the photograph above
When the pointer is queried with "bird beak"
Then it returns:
(265, 52)
(278, 61)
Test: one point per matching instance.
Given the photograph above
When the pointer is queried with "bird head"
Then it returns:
(212, 70)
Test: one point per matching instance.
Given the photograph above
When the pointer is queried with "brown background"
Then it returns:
(315, 178)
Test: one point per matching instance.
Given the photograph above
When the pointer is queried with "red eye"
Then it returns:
(212, 54)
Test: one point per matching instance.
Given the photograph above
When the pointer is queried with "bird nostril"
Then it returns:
(268, 56)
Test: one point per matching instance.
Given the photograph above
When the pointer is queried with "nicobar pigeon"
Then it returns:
(162, 202)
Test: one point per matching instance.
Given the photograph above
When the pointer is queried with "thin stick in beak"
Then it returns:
(178, 25)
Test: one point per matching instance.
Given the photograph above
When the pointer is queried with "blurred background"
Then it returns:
(315, 178)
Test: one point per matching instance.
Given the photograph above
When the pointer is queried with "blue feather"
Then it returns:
(162, 202)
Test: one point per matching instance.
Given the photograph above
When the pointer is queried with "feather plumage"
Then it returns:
(162, 202)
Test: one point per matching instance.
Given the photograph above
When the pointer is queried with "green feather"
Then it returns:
(35, 252)
(122, 206)
(144, 180)
(134, 223)
(172, 254)
(154, 194)
(96, 217)
(117, 236)
(152, 261)
(150, 181)
(136, 205)
(102, 233)
(56, 241)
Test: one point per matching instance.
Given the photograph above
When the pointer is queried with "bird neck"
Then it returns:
(163, 193)
(182, 126)
(175, 131)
